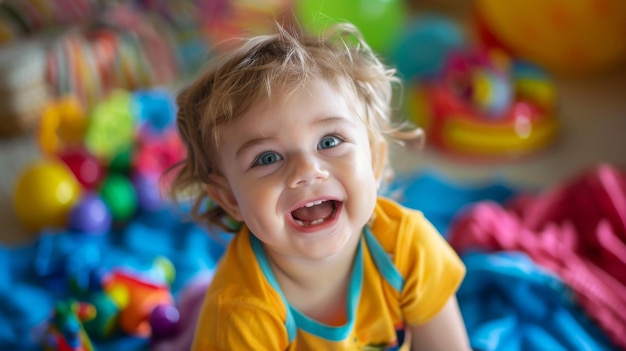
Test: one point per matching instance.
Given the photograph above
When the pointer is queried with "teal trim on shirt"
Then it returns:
(257, 247)
(295, 319)
(384, 264)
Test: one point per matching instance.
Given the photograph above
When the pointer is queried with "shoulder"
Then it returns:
(394, 222)
(413, 242)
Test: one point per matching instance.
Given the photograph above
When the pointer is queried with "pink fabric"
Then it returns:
(577, 230)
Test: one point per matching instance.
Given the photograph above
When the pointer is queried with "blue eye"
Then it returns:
(328, 142)
(267, 158)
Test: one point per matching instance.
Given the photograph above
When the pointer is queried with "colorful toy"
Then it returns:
(86, 167)
(63, 123)
(90, 215)
(44, 194)
(148, 191)
(480, 79)
(156, 154)
(65, 330)
(380, 21)
(143, 297)
(568, 37)
(482, 105)
(104, 324)
(154, 110)
(112, 126)
(120, 197)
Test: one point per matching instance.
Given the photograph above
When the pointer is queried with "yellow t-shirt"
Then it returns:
(404, 272)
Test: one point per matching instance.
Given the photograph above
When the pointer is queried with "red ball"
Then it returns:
(85, 166)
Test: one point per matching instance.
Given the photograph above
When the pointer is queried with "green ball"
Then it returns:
(111, 126)
(120, 196)
(380, 21)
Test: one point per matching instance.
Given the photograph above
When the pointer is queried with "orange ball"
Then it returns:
(44, 194)
(564, 36)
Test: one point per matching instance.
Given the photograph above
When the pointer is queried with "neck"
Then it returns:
(310, 284)
(309, 274)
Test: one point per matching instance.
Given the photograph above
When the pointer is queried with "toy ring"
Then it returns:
(63, 122)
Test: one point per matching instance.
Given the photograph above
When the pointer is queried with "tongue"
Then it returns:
(307, 214)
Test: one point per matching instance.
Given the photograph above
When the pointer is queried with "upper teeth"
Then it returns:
(314, 203)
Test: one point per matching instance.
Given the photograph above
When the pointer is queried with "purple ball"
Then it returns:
(164, 321)
(148, 192)
(90, 215)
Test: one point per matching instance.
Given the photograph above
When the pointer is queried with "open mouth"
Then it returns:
(314, 213)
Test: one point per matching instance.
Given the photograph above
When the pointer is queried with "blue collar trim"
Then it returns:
(295, 319)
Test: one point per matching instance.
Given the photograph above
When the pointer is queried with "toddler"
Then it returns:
(287, 135)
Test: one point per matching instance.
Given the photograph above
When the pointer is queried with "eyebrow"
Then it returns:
(248, 144)
(255, 141)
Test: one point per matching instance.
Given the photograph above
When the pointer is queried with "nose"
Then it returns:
(305, 170)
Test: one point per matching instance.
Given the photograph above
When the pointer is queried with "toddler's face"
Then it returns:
(299, 173)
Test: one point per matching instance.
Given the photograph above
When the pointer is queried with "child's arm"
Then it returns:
(445, 331)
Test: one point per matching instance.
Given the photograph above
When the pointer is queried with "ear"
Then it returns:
(220, 192)
(379, 159)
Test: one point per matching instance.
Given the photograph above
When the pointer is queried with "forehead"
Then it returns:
(314, 95)
(292, 104)
(314, 104)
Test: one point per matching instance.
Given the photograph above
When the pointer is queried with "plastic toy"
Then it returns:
(44, 194)
(474, 108)
(380, 21)
(86, 167)
(143, 298)
(155, 154)
(120, 197)
(154, 110)
(164, 321)
(90, 215)
(65, 331)
(568, 37)
(104, 324)
(148, 191)
(112, 126)
(62, 124)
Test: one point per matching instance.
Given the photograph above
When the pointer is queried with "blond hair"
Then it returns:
(237, 79)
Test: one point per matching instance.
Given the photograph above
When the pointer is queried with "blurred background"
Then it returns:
(522, 102)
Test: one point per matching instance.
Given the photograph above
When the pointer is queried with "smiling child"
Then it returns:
(287, 134)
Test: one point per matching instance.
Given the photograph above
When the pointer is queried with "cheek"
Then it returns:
(255, 198)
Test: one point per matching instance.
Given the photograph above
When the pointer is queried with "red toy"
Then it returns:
(484, 105)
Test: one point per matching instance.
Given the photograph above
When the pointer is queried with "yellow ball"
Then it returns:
(564, 36)
(45, 192)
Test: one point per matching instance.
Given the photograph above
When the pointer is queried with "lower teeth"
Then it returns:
(314, 222)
